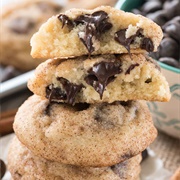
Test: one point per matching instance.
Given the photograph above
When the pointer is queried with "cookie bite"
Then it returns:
(94, 135)
(103, 78)
(104, 30)
(23, 164)
(19, 21)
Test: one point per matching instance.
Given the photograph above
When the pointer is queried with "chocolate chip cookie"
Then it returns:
(23, 164)
(84, 134)
(104, 30)
(103, 78)
(19, 22)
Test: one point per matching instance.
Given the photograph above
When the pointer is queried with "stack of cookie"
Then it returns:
(88, 118)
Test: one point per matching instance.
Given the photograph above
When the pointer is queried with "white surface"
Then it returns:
(152, 167)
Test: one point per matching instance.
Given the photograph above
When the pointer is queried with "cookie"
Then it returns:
(19, 22)
(85, 134)
(103, 78)
(104, 30)
(23, 164)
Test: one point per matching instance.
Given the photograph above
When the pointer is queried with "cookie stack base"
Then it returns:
(24, 165)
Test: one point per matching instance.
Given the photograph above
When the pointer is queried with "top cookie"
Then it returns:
(20, 21)
(104, 30)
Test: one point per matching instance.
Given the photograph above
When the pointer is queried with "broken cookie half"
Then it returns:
(101, 78)
(104, 30)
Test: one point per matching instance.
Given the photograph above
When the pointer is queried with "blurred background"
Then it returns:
(20, 19)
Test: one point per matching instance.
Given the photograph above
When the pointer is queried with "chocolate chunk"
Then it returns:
(147, 44)
(126, 103)
(131, 67)
(101, 74)
(70, 89)
(170, 61)
(151, 6)
(65, 21)
(22, 25)
(3, 168)
(95, 25)
(54, 93)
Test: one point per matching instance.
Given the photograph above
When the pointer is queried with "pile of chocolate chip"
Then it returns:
(165, 13)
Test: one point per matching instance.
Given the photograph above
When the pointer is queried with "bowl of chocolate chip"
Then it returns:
(166, 13)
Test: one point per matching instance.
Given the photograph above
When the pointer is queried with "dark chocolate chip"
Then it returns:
(126, 103)
(172, 8)
(151, 6)
(101, 74)
(66, 21)
(147, 44)
(169, 48)
(81, 106)
(3, 168)
(95, 25)
(170, 61)
(131, 67)
(159, 17)
(144, 154)
(71, 90)
(21, 25)
(120, 37)
(149, 80)
(172, 28)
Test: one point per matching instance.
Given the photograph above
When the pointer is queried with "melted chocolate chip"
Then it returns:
(81, 106)
(54, 93)
(101, 74)
(70, 89)
(126, 103)
(131, 67)
(65, 21)
(95, 25)
(21, 25)
(146, 43)
(3, 168)
(47, 110)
